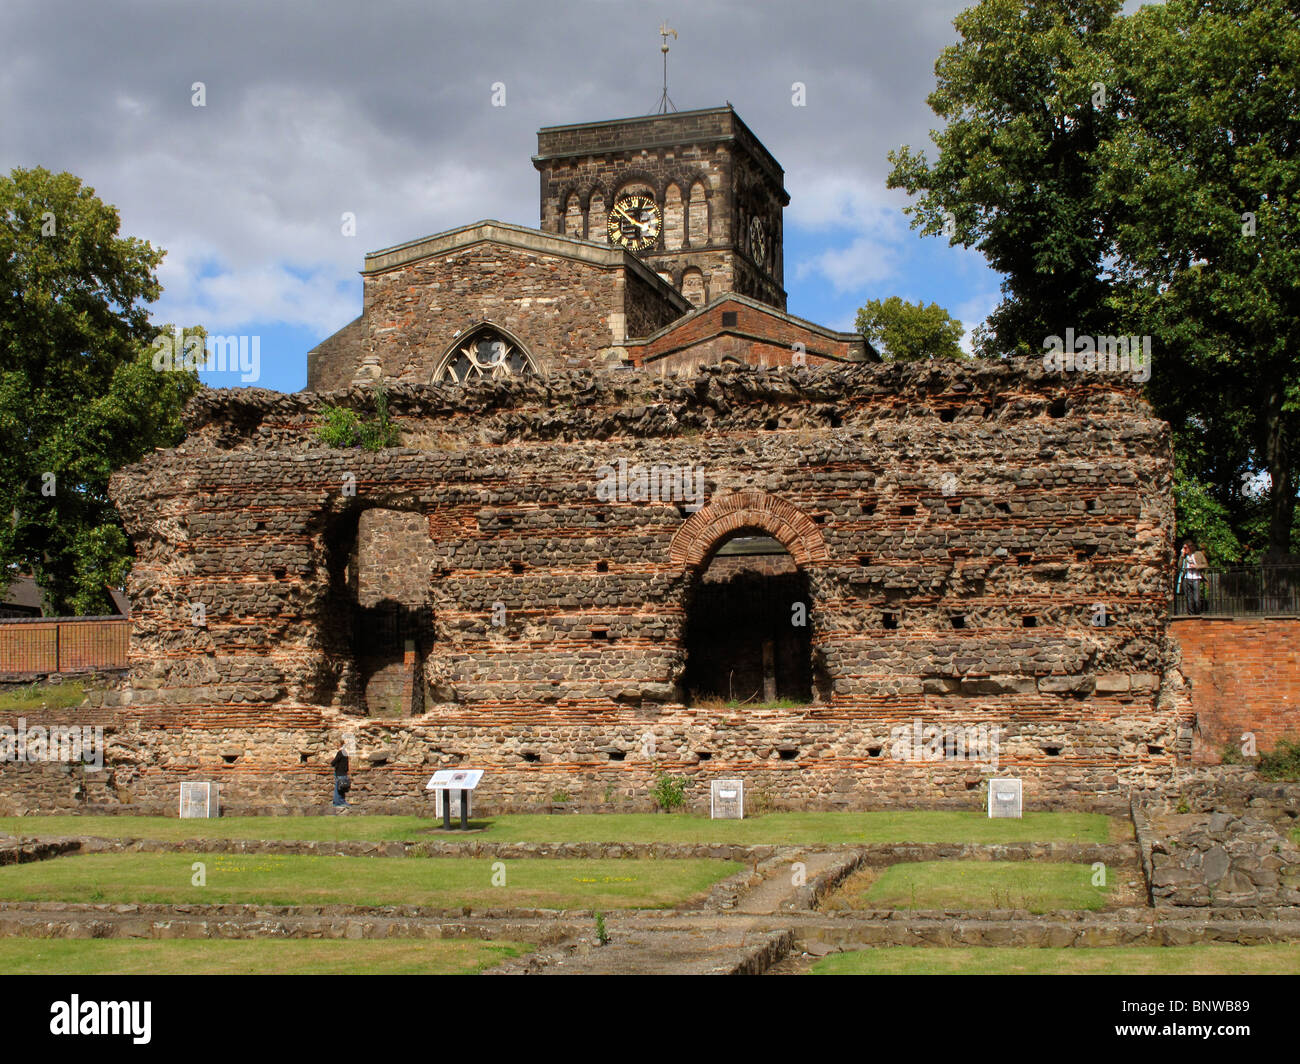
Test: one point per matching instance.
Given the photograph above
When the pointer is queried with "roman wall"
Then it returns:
(981, 546)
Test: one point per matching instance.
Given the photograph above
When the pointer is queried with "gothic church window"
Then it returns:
(484, 353)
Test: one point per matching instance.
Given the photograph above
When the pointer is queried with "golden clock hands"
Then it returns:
(624, 213)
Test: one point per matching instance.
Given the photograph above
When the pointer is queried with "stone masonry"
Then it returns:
(957, 525)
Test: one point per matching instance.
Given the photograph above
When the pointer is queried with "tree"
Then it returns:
(1016, 173)
(1203, 185)
(79, 395)
(1137, 175)
(910, 331)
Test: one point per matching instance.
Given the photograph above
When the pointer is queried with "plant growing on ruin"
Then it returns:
(1283, 762)
(341, 427)
(602, 932)
(669, 792)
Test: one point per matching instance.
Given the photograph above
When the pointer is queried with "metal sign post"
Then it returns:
(448, 782)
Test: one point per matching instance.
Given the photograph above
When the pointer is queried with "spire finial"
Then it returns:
(666, 31)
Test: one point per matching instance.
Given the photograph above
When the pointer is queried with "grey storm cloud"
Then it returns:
(384, 110)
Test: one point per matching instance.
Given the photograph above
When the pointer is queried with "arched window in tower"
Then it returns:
(573, 221)
(693, 286)
(483, 353)
(596, 220)
(674, 219)
(698, 220)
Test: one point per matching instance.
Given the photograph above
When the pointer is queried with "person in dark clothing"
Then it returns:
(341, 782)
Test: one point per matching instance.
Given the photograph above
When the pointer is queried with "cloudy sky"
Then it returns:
(384, 109)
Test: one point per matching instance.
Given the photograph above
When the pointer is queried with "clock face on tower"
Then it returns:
(758, 241)
(635, 222)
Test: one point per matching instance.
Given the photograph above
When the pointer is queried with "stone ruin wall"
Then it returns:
(909, 495)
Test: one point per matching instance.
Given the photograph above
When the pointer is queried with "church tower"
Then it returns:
(693, 194)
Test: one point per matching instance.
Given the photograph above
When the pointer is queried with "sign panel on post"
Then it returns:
(452, 789)
(199, 800)
(727, 800)
(1005, 798)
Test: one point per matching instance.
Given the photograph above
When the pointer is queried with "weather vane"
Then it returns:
(666, 31)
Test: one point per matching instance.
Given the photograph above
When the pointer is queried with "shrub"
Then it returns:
(669, 792)
(341, 427)
(602, 932)
(1284, 761)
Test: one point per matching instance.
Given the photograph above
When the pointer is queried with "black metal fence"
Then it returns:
(1240, 591)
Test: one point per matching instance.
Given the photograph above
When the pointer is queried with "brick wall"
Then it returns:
(1245, 676)
(63, 645)
(955, 525)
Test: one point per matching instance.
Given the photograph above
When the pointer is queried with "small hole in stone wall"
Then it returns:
(601, 517)
(889, 620)
(505, 521)
(531, 757)
(1090, 505)
(704, 755)
(819, 519)
(260, 526)
(1029, 622)
(375, 762)
(949, 414)
(868, 508)
(836, 421)
(599, 633)
(972, 784)
(602, 567)
(788, 754)
(954, 506)
(770, 424)
(864, 559)
(516, 567)
(617, 755)
(1155, 750)
(907, 511)
(1003, 507)
(1057, 409)
(302, 759)
(1024, 559)
(958, 620)
(229, 759)
(1052, 751)
(874, 751)
(279, 573)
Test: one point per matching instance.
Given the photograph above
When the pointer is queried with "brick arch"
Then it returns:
(703, 531)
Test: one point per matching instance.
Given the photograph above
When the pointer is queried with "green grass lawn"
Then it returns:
(44, 956)
(773, 828)
(1038, 886)
(439, 883)
(1211, 958)
(42, 696)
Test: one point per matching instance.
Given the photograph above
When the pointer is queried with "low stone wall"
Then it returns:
(1225, 860)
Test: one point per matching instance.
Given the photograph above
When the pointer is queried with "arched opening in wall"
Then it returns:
(596, 219)
(698, 216)
(674, 219)
(693, 286)
(573, 220)
(376, 623)
(749, 626)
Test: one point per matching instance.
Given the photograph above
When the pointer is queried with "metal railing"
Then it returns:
(1241, 591)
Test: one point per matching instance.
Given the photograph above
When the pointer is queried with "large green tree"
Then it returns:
(910, 331)
(79, 395)
(1016, 171)
(1138, 175)
(1203, 186)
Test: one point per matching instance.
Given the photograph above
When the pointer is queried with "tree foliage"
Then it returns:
(79, 397)
(910, 331)
(1138, 175)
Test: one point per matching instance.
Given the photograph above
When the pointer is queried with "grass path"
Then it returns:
(439, 883)
(922, 826)
(1212, 958)
(41, 956)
